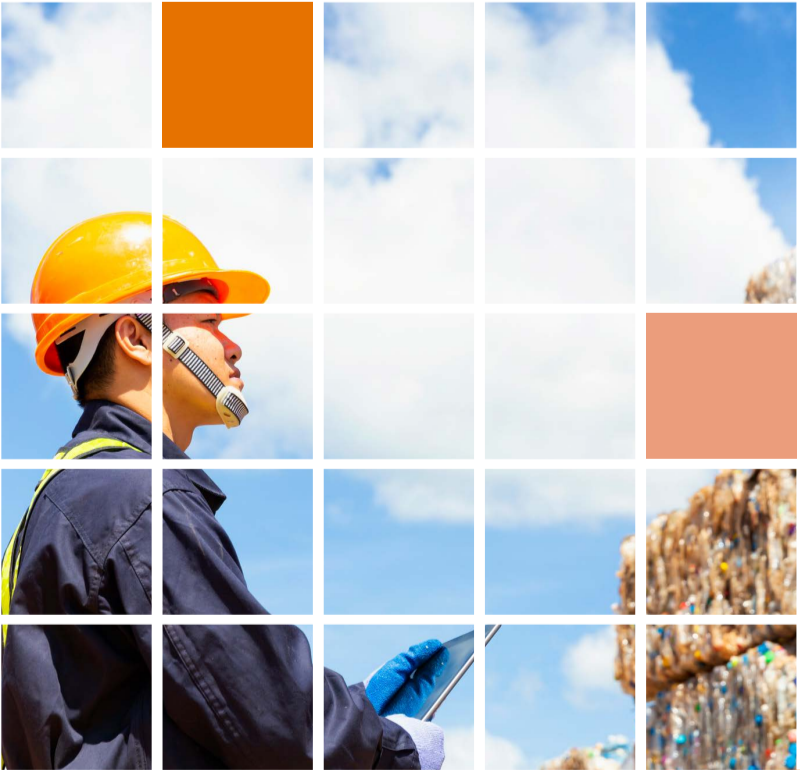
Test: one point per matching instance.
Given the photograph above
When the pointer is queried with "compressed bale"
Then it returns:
(627, 577)
(733, 551)
(775, 284)
(741, 714)
(676, 653)
(625, 663)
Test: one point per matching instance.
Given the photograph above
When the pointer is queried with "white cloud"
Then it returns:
(566, 81)
(669, 490)
(276, 369)
(588, 668)
(559, 386)
(707, 232)
(672, 118)
(44, 197)
(534, 251)
(399, 74)
(444, 496)
(459, 748)
(399, 386)
(407, 237)
(503, 754)
(80, 78)
(562, 497)
(253, 214)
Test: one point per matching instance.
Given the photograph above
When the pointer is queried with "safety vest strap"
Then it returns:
(13, 553)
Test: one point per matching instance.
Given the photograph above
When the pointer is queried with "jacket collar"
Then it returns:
(212, 494)
(107, 419)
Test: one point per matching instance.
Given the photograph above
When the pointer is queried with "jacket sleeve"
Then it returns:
(356, 737)
(242, 693)
(126, 585)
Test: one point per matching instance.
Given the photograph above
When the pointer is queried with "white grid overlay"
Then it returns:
(479, 310)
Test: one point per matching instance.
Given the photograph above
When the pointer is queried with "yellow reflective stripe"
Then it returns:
(77, 452)
(95, 443)
(6, 599)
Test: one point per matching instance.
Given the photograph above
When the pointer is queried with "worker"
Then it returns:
(234, 696)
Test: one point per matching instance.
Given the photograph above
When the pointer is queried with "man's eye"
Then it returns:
(211, 321)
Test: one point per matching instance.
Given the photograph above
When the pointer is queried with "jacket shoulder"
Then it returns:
(93, 440)
(176, 480)
(101, 504)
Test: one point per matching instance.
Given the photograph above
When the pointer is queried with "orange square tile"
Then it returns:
(721, 385)
(237, 74)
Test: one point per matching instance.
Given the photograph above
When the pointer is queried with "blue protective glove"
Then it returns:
(393, 690)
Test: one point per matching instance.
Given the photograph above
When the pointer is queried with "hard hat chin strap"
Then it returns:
(231, 406)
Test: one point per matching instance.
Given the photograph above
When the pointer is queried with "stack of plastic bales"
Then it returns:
(733, 551)
(775, 284)
(738, 714)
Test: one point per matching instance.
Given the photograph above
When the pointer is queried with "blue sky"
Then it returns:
(45, 423)
(413, 566)
(534, 701)
(356, 651)
(553, 537)
(17, 491)
(547, 19)
(268, 516)
(560, 570)
(777, 190)
(17, 65)
(741, 58)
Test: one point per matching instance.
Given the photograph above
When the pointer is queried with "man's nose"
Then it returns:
(232, 351)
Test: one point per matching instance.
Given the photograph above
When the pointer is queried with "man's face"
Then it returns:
(202, 333)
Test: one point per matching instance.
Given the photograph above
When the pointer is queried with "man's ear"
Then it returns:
(134, 340)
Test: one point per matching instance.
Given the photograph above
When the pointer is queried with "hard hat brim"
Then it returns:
(239, 287)
(243, 287)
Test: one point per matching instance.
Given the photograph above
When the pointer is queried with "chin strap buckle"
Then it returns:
(175, 345)
(231, 407)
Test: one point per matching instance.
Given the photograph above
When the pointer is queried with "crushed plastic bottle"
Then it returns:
(739, 714)
(733, 551)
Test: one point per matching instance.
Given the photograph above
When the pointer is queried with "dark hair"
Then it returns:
(101, 368)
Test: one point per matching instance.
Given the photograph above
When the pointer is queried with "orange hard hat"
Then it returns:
(107, 259)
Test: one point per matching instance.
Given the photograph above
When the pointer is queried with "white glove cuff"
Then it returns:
(427, 737)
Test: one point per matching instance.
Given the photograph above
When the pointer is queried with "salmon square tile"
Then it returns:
(721, 385)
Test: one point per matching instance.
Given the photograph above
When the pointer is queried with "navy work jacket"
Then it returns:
(234, 696)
